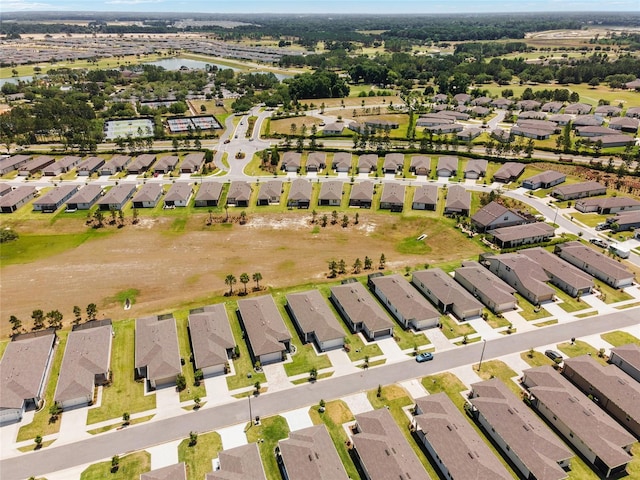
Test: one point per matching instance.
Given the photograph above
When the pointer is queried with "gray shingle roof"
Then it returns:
(458, 199)
(211, 336)
(486, 282)
(446, 289)
(178, 192)
(558, 268)
(427, 194)
(86, 194)
(177, 471)
(404, 297)
(360, 306)
(456, 443)
(209, 191)
(331, 190)
(523, 232)
(309, 454)
(265, 327)
(595, 259)
(539, 449)
(157, 347)
(149, 192)
(314, 315)
(629, 353)
(392, 193)
(240, 463)
(362, 191)
(300, 190)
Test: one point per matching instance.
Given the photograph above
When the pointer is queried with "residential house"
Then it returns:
(579, 190)
(316, 161)
(444, 129)
(608, 141)
(314, 320)
(85, 364)
(495, 215)
(239, 194)
(502, 103)
(64, 165)
(612, 389)
(211, 339)
(267, 335)
(425, 197)
(117, 164)
(552, 107)
(367, 163)
(633, 112)
(469, 133)
(192, 163)
(563, 275)
(178, 195)
(157, 355)
(420, 165)
(341, 162)
(624, 221)
(24, 368)
(409, 307)
(432, 119)
(270, 192)
(360, 311)
(523, 274)
(560, 118)
(475, 169)
(529, 131)
(148, 196)
(446, 294)
(594, 131)
(55, 198)
(627, 358)
(330, 193)
(85, 198)
(361, 195)
(462, 98)
(15, 199)
(300, 193)
(382, 451)
(587, 121)
(502, 135)
(177, 471)
(577, 417)
(547, 179)
(625, 124)
(13, 163)
(607, 205)
(440, 98)
(166, 164)
(90, 166)
(239, 463)
(481, 101)
(454, 446)
(532, 115)
(509, 172)
(117, 197)
(489, 289)
(608, 270)
(393, 163)
(382, 124)
(523, 438)
(392, 197)
(608, 110)
(291, 161)
(447, 166)
(517, 235)
(5, 188)
(578, 109)
(309, 454)
(458, 201)
(141, 164)
(333, 129)
(209, 194)
(528, 105)
(35, 165)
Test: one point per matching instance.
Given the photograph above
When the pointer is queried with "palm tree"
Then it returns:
(230, 280)
(244, 279)
(256, 278)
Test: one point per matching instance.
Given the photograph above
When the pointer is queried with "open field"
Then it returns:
(179, 269)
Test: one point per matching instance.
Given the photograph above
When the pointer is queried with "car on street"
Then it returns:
(424, 357)
(553, 355)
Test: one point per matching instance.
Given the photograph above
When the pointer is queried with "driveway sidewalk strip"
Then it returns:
(298, 418)
(233, 436)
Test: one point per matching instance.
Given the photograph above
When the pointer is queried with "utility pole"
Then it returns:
(250, 413)
(482, 354)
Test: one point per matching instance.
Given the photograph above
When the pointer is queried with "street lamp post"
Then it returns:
(555, 217)
(250, 413)
(482, 354)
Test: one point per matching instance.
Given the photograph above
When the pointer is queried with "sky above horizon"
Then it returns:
(326, 6)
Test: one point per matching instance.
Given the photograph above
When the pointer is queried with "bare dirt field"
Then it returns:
(171, 269)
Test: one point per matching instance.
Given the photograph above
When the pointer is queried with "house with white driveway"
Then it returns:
(488, 288)
(360, 311)
(446, 294)
(157, 355)
(211, 339)
(314, 320)
(267, 335)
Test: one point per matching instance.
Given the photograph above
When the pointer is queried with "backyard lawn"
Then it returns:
(335, 415)
(124, 394)
(41, 424)
(198, 457)
(267, 435)
(131, 466)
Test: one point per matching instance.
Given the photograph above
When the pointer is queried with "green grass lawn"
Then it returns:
(267, 434)
(589, 219)
(610, 294)
(42, 424)
(496, 368)
(395, 398)
(3, 347)
(198, 457)
(193, 391)
(335, 415)
(125, 394)
(569, 304)
(409, 339)
(29, 248)
(131, 466)
(496, 321)
(133, 421)
(529, 311)
(619, 338)
(243, 365)
(452, 329)
(554, 321)
(580, 348)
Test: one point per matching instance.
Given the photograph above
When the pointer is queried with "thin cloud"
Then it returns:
(13, 6)
(132, 2)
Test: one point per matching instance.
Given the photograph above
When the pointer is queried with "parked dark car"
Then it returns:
(553, 355)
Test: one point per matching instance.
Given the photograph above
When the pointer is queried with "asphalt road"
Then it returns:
(156, 432)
